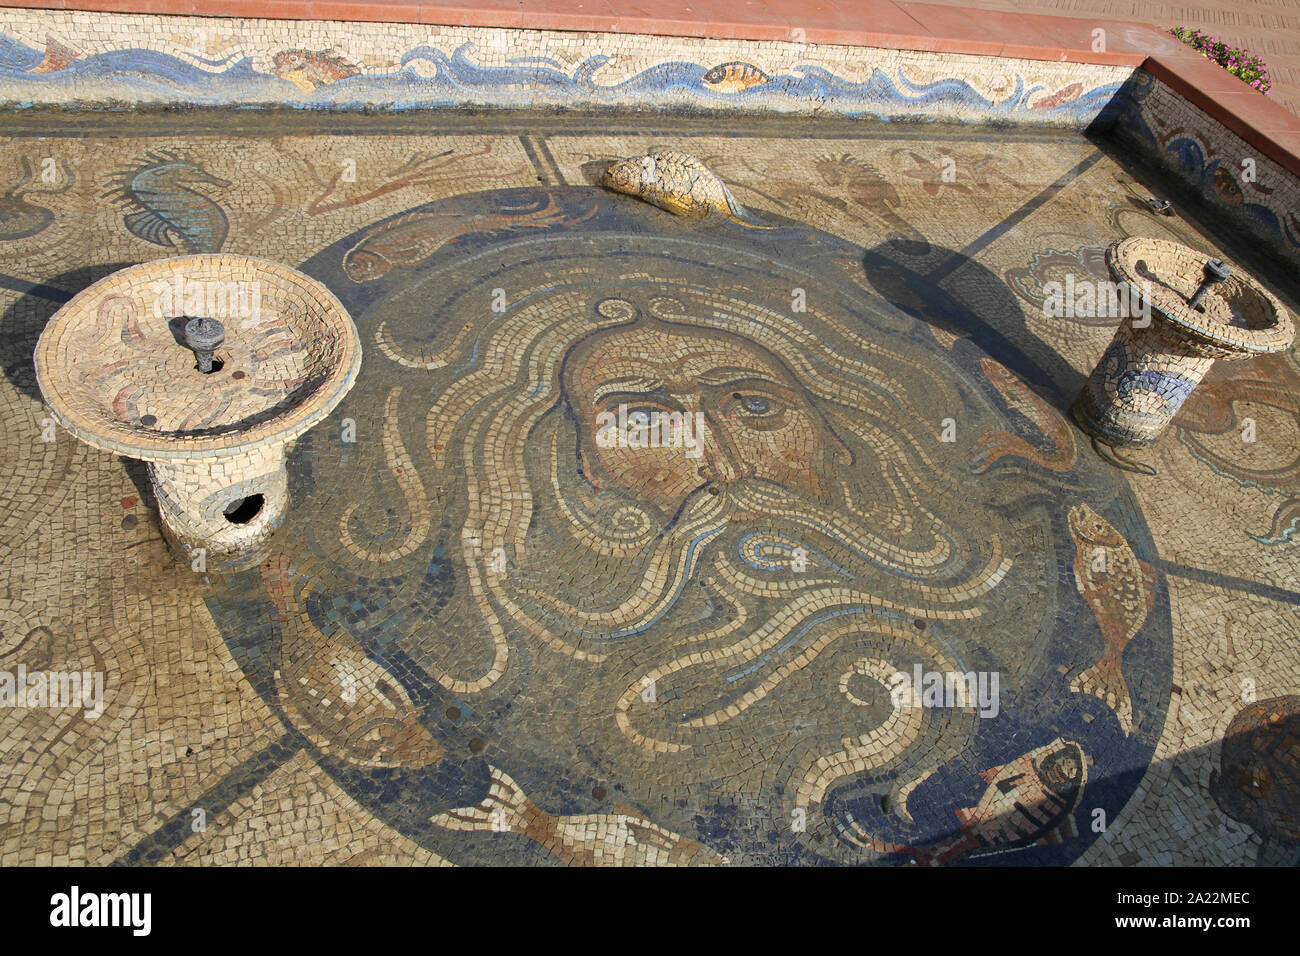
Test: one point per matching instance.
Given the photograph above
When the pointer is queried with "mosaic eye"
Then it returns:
(757, 405)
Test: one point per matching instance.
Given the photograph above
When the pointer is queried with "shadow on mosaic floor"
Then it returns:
(1027, 814)
(23, 323)
(953, 292)
(26, 318)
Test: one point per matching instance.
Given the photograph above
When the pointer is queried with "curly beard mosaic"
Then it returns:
(507, 621)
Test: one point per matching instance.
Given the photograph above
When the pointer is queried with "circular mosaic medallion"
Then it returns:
(652, 541)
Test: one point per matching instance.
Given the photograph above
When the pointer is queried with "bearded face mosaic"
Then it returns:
(715, 634)
(755, 537)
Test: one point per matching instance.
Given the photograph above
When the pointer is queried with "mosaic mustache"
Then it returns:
(836, 544)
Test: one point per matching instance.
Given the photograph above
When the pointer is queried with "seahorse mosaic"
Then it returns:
(166, 208)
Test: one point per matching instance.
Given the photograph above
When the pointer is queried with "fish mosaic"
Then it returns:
(995, 445)
(1027, 801)
(338, 696)
(1067, 94)
(734, 77)
(677, 182)
(1121, 590)
(311, 69)
(413, 237)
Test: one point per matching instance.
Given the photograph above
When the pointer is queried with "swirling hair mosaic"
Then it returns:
(47, 57)
(563, 648)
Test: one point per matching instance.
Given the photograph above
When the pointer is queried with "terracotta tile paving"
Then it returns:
(1269, 29)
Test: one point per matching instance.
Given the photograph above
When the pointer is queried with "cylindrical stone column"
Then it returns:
(1164, 348)
(226, 506)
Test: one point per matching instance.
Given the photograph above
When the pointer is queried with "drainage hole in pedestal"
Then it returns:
(244, 510)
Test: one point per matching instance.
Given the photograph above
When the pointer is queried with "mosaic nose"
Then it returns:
(725, 459)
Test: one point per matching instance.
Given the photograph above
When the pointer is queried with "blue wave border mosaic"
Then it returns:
(51, 57)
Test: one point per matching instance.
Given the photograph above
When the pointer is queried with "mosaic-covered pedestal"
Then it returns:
(229, 507)
(116, 371)
(1154, 362)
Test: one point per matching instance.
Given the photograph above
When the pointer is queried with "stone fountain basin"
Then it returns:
(1241, 317)
(114, 369)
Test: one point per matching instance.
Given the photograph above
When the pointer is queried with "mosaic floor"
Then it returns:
(492, 632)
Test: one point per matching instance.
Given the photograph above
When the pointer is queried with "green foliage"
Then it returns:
(1246, 66)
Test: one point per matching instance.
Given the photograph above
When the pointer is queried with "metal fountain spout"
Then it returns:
(204, 336)
(1215, 271)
